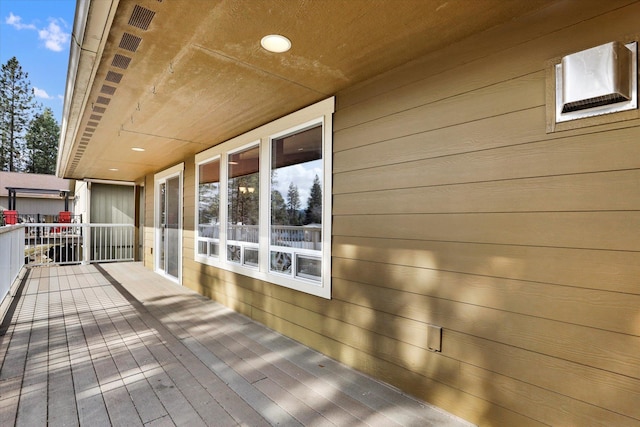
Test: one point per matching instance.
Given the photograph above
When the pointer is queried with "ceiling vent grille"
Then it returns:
(113, 77)
(121, 61)
(100, 110)
(597, 81)
(92, 124)
(95, 117)
(130, 42)
(103, 100)
(141, 17)
(109, 90)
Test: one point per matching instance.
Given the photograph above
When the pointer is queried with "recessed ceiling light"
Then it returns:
(276, 43)
(113, 169)
(137, 149)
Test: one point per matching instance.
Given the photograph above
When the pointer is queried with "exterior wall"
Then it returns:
(454, 207)
(112, 204)
(81, 200)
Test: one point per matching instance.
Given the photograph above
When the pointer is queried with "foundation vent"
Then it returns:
(597, 81)
(141, 17)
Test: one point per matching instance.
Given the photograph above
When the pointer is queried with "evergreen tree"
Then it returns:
(278, 209)
(42, 143)
(293, 205)
(313, 213)
(16, 109)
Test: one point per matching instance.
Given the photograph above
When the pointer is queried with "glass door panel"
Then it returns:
(172, 227)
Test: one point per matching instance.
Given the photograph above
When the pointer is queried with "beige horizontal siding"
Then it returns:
(453, 206)
(616, 271)
(587, 153)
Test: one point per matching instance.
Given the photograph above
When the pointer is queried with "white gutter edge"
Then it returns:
(92, 22)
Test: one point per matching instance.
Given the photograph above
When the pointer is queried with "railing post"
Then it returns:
(86, 243)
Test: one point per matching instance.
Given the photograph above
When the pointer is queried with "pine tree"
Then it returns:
(42, 143)
(16, 109)
(293, 205)
(278, 209)
(313, 213)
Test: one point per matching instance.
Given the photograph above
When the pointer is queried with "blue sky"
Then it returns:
(38, 34)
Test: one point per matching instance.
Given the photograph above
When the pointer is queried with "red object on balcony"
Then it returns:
(10, 217)
(64, 217)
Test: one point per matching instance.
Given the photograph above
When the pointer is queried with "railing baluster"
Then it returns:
(52, 243)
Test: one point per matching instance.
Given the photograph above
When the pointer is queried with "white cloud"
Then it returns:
(41, 93)
(16, 22)
(301, 175)
(54, 36)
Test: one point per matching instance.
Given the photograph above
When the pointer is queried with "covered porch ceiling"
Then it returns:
(175, 77)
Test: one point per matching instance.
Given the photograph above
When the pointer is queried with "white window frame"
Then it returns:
(208, 241)
(319, 113)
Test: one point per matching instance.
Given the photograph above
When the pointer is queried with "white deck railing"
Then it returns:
(302, 237)
(11, 256)
(62, 243)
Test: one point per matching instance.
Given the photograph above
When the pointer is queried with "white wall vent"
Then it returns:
(596, 81)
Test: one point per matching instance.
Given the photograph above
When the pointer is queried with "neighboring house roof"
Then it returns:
(35, 182)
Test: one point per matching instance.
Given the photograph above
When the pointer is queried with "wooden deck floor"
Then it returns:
(118, 345)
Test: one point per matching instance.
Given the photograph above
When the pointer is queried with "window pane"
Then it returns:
(209, 199)
(214, 249)
(296, 196)
(296, 179)
(244, 203)
(309, 268)
(233, 253)
(251, 257)
(281, 262)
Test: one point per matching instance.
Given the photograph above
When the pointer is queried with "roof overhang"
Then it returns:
(174, 78)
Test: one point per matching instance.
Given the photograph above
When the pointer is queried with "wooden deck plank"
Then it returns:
(85, 349)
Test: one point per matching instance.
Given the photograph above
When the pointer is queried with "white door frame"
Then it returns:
(158, 179)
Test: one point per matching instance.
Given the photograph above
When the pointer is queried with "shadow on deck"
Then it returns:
(116, 344)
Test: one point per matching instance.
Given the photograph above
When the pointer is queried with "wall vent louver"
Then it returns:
(597, 81)
(141, 17)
